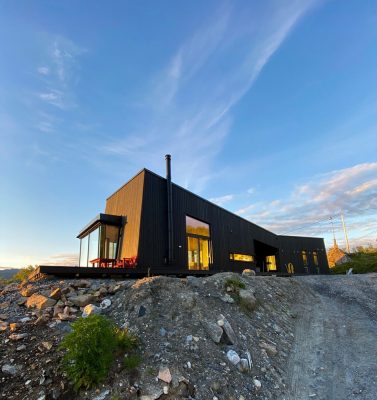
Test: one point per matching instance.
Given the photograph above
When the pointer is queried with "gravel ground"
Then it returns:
(335, 350)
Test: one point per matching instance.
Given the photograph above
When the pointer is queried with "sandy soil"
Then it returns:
(335, 350)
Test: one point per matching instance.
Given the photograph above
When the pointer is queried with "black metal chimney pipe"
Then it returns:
(170, 209)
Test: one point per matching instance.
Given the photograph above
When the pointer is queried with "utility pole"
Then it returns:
(333, 232)
(345, 233)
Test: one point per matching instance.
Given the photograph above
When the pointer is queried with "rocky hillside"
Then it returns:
(221, 337)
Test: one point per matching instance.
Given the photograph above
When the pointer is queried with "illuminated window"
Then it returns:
(198, 244)
(271, 263)
(304, 258)
(241, 257)
(196, 227)
(315, 258)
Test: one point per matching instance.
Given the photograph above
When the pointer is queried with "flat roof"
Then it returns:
(101, 219)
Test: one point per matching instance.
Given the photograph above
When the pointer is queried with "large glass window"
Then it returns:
(84, 251)
(93, 245)
(109, 241)
(305, 258)
(198, 244)
(101, 243)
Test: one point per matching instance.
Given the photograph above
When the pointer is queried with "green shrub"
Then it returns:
(126, 341)
(131, 362)
(23, 274)
(90, 350)
(235, 284)
(361, 263)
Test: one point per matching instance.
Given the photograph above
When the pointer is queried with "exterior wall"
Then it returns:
(127, 202)
(143, 201)
(229, 233)
(291, 248)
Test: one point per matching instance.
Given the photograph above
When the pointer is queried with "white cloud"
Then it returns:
(189, 103)
(220, 201)
(308, 208)
(43, 70)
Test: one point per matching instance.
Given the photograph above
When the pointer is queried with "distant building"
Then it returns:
(337, 256)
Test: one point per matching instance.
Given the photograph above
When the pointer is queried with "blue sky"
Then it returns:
(268, 108)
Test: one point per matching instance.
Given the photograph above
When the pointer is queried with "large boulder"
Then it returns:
(214, 331)
(82, 300)
(247, 299)
(28, 291)
(39, 301)
(229, 337)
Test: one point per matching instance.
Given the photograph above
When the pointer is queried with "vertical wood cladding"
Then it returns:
(144, 201)
(127, 202)
(291, 248)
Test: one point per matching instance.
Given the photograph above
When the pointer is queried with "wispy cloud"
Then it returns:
(60, 73)
(43, 70)
(220, 201)
(189, 103)
(308, 208)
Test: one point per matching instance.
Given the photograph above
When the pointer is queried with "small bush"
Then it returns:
(235, 284)
(23, 274)
(131, 362)
(90, 350)
(126, 341)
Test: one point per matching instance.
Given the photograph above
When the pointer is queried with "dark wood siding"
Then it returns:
(127, 202)
(291, 248)
(144, 201)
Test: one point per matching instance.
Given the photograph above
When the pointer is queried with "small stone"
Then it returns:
(257, 384)
(3, 317)
(166, 389)
(233, 357)
(248, 299)
(243, 365)
(163, 332)
(56, 294)
(3, 326)
(270, 349)
(47, 345)
(164, 375)
(14, 326)
(227, 299)
(91, 309)
(25, 319)
(102, 395)
(39, 301)
(28, 382)
(142, 311)
(20, 348)
(248, 272)
(230, 336)
(105, 303)
(27, 291)
(4, 305)
(82, 300)
(214, 331)
(18, 336)
(9, 369)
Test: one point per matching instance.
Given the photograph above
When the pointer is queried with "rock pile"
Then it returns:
(199, 340)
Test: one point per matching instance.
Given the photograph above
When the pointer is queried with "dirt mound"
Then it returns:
(222, 337)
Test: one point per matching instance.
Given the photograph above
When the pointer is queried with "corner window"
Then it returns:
(241, 257)
(198, 244)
